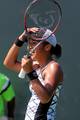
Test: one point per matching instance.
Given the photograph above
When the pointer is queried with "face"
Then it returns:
(38, 51)
(32, 44)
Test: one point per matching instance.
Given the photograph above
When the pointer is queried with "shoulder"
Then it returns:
(55, 70)
(54, 66)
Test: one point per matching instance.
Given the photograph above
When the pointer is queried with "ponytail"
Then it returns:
(57, 51)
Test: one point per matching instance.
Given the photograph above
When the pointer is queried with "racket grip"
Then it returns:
(22, 74)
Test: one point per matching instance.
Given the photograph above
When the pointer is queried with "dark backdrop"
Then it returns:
(11, 25)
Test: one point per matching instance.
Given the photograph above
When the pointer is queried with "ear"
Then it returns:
(48, 47)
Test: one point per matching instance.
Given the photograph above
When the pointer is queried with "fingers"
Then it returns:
(23, 36)
(26, 64)
(26, 60)
(33, 29)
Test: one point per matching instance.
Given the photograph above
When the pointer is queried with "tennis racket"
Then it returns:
(45, 14)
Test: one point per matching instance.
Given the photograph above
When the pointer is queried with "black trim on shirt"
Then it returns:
(41, 113)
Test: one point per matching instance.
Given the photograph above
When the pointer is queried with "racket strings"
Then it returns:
(44, 14)
(40, 16)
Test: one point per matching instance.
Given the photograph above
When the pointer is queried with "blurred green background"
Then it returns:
(11, 25)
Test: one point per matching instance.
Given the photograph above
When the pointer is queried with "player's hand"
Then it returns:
(26, 64)
(24, 35)
(33, 29)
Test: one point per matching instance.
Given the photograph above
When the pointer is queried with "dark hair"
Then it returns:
(57, 50)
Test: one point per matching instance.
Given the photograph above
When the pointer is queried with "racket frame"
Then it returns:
(22, 72)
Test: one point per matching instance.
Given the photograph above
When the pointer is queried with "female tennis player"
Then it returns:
(45, 79)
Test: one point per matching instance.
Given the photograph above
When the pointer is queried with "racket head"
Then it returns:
(48, 17)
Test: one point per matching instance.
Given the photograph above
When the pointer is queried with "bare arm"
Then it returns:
(52, 78)
(11, 59)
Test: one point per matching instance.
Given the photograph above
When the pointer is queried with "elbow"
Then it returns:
(5, 63)
(47, 96)
(8, 64)
(12, 65)
(46, 99)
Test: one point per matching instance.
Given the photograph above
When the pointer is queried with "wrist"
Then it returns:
(19, 42)
(23, 36)
(32, 75)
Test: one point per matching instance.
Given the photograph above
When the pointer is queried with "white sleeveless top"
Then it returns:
(38, 111)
